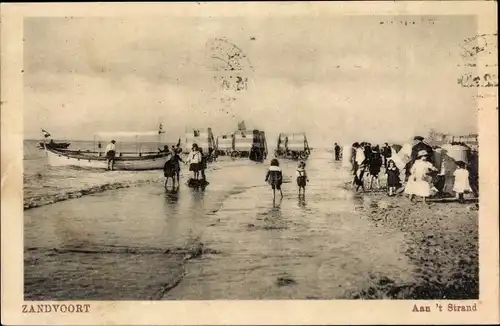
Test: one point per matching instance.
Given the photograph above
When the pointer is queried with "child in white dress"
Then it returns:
(461, 184)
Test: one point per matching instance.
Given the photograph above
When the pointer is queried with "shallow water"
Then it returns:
(313, 248)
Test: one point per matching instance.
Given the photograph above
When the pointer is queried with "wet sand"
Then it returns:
(230, 241)
(442, 240)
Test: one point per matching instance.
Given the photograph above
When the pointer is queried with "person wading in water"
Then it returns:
(110, 154)
(195, 161)
(168, 168)
(274, 177)
(176, 162)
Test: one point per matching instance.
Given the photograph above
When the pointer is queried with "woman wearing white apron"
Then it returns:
(419, 183)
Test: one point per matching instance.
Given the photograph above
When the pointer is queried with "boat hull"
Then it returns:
(61, 158)
(54, 145)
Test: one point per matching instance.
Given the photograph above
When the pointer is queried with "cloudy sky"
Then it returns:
(339, 79)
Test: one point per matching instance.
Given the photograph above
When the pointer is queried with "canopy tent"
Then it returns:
(125, 134)
(126, 138)
(396, 147)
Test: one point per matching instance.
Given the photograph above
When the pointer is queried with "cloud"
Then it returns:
(375, 82)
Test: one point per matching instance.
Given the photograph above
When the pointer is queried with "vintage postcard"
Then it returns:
(249, 163)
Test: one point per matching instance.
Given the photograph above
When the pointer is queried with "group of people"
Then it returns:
(367, 160)
(274, 177)
(197, 164)
(421, 177)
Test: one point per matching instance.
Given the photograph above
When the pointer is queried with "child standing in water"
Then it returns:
(274, 177)
(392, 177)
(302, 177)
(462, 184)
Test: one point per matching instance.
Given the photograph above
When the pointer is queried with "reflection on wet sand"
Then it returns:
(235, 242)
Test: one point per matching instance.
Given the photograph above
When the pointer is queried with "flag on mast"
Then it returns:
(45, 133)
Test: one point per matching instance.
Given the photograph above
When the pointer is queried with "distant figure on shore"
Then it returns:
(419, 183)
(110, 154)
(274, 177)
(386, 153)
(374, 167)
(195, 161)
(99, 145)
(336, 148)
(302, 178)
(392, 177)
(461, 184)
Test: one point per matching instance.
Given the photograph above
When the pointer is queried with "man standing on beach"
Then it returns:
(337, 152)
(386, 153)
(421, 146)
(110, 154)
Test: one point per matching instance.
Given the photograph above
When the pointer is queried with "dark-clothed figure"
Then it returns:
(169, 170)
(375, 165)
(337, 152)
(176, 162)
(392, 177)
(203, 164)
(386, 153)
(473, 168)
(368, 153)
(274, 177)
(421, 146)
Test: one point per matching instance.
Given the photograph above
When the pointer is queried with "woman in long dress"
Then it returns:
(418, 182)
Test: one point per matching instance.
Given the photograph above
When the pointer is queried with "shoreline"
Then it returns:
(52, 186)
(441, 241)
(42, 200)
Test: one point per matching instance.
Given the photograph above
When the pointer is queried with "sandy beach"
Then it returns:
(441, 241)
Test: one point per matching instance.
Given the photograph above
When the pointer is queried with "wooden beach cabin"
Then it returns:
(224, 144)
(250, 143)
(292, 146)
(204, 138)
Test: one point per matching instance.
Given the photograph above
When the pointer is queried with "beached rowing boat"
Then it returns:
(130, 161)
(54, 145)
(89, 159)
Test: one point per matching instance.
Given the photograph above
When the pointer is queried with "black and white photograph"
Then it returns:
(269, 157)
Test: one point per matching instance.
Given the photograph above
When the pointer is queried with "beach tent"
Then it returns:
(398, 160)
(346, 156)
(405, 152)
(457, 152)
(396, 148)
(448, 167)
